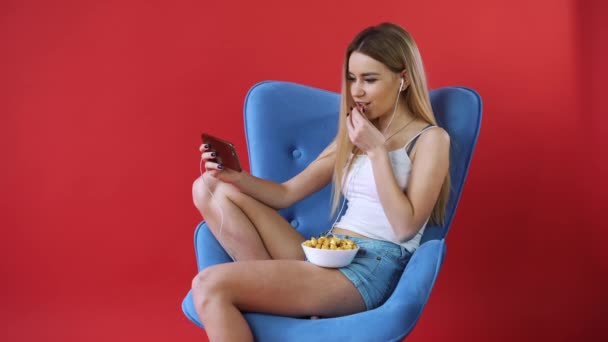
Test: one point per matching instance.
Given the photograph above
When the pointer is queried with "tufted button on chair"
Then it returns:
(287, 125)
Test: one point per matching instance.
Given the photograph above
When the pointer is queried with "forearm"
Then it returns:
(268, 192)
(397, 206)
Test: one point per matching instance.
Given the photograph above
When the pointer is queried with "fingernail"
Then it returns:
(221, 167)
(206, 145)
(213, 154)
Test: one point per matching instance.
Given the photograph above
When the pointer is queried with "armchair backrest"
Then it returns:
(287, 125)
(458, 111)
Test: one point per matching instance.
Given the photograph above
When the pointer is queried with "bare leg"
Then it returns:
(238, 235)
(251, 230)
(287, 287)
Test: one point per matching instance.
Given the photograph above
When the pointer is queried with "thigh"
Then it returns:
(281, 240)
(287, 287)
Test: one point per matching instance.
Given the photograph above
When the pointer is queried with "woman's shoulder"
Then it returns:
(432, 139)
(434, 133)
(417, 130)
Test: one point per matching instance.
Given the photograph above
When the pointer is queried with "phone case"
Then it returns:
(226, 152)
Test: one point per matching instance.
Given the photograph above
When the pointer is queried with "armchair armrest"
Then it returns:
(417, 281)
(208, 250)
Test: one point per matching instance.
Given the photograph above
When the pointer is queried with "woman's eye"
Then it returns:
(367, 80)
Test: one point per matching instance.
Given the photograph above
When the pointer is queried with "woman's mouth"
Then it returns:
(362, 106)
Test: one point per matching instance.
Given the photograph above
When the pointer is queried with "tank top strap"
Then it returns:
(410, 144)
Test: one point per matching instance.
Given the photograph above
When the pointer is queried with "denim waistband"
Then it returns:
(368, 243)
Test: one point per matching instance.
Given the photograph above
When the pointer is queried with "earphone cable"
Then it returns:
(215, 200)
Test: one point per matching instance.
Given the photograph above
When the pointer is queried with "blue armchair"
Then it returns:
(287, 125)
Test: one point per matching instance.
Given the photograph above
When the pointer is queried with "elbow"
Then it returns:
(402, 237)
(406, 233)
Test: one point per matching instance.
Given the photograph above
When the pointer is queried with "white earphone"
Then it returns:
(401, 86)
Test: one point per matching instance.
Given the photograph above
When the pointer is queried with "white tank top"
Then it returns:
(365, 214)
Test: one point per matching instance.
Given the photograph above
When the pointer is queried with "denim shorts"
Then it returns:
(376, 269)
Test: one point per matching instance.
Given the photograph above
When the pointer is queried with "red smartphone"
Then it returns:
(225, 152)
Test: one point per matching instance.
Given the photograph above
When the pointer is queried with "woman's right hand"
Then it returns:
(213, 169)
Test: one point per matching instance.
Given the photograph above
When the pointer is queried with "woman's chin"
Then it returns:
(372, 116)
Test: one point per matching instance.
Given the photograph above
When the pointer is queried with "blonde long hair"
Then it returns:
(394, 47)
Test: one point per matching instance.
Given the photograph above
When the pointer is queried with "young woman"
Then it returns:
(389, 159)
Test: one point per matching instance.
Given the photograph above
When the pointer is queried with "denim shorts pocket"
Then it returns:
(392, 283)
(388, 273)
(398, 256)
(370, 259)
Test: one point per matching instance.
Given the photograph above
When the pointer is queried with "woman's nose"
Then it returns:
(357, 90)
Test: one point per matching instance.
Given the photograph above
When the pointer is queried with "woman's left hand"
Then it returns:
(363, 133)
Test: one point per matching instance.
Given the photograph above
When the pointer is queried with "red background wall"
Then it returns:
(102, 104)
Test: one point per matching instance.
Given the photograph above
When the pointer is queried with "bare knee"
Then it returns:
(207, 288)
(205, 188)
(199, 281)
(202, 288)
(202, 190)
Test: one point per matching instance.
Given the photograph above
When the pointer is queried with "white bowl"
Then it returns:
(333, 258)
